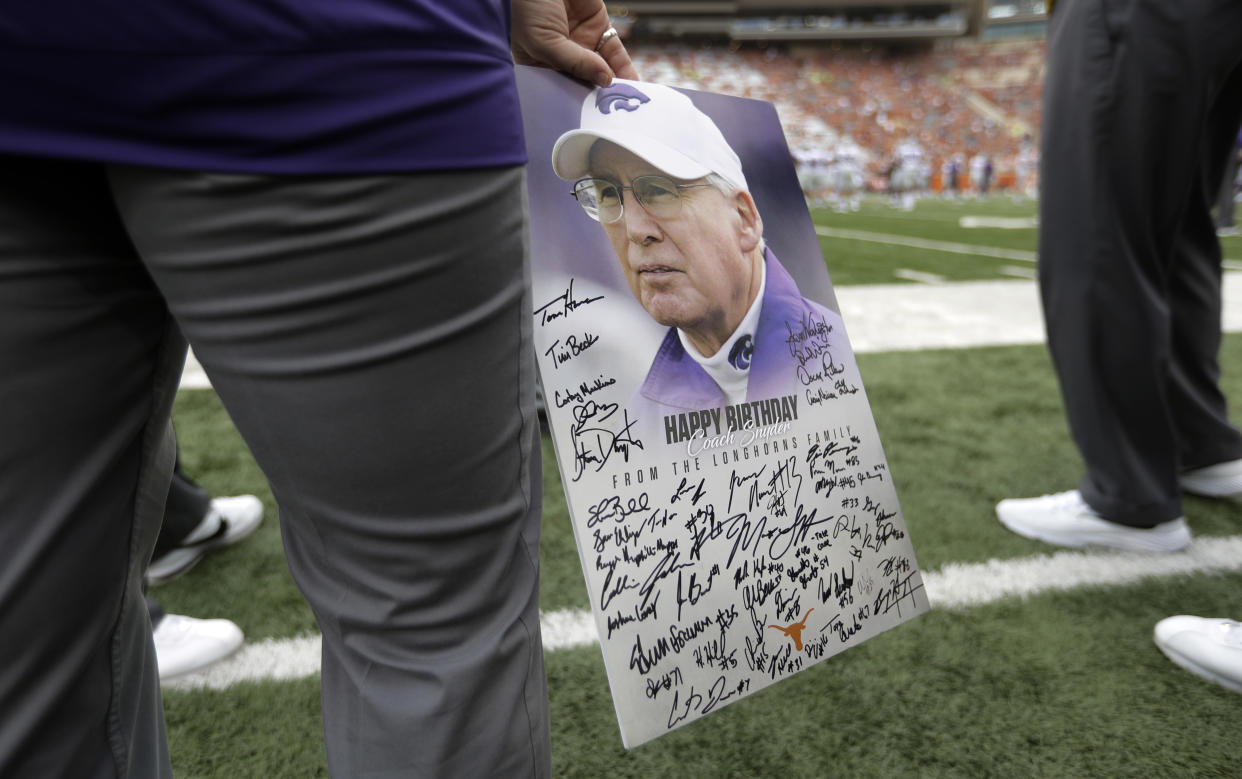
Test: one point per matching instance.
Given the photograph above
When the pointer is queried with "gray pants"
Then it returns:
(1141, 101)
(370, 337)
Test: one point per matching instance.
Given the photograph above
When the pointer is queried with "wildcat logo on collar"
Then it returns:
(739, 355)
(621, 97)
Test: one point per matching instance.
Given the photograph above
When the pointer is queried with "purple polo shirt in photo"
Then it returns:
(262, 86)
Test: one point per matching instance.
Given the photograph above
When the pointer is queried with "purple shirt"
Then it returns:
(263, 86)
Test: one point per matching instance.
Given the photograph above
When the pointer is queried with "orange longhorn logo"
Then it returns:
(794, 631)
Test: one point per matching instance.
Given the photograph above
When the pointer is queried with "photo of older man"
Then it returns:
(669, 191)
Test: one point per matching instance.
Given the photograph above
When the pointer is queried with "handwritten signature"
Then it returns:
(571, 347)
(563, 305)
(595, 445)
(720, 691)
(897, 591)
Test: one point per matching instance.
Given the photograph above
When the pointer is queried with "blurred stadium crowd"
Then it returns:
(961, 116)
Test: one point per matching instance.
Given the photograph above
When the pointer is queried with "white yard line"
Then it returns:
(919, 276)
(999, 222)
(957, 585)
(1017, 272)
(923, 243)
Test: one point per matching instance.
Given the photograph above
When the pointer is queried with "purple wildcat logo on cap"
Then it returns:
(655, 122)
(619, 96)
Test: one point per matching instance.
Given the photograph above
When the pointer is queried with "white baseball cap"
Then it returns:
(655, 122)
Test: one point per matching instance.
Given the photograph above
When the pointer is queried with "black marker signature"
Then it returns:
(896, 591)
(563, 352)
(720, 691)
(593, 446)
(613, 508)
(562, 305)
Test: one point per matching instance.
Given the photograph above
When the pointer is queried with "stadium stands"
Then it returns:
(957, 97)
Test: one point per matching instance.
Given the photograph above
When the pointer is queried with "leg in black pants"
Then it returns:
(188, 503)
(1141, 99)
(89, 364)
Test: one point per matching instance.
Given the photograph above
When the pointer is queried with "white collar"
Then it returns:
(729, 367)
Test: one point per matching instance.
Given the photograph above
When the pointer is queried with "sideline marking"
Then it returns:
(919, 276)
(999, 222)
(922, 243)
(958, 314)
(957, 585)
(1017, 272)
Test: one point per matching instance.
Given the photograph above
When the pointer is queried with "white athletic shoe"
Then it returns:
(184, 645)
(1222, 480)
(228, 521)
(1065, 519)
(1211, 648)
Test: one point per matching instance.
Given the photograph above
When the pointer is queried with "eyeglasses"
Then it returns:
(660, 196)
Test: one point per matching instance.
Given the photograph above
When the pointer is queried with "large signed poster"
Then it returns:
(732, 505)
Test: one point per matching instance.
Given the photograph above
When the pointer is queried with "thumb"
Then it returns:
(581, 63)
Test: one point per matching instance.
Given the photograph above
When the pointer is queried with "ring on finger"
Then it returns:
(608, 35)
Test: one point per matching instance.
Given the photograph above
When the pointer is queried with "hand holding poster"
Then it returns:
(731, 503)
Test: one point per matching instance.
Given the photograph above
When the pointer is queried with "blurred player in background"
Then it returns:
(911, 172)
(846, 175)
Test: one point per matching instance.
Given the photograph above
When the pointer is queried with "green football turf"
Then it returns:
(940, 220)
(855, 261)
(1066, 685)
(852, 261)
(1061, 684)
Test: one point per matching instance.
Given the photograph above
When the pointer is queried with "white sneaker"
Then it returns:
(1222, 480)
(1065, 519)
(184, 645)
(1211, 648)
(228, 521)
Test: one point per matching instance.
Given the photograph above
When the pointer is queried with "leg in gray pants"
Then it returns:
(1141, 100)
(370, 337)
